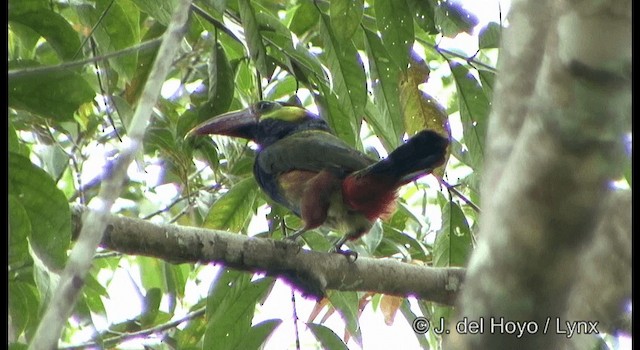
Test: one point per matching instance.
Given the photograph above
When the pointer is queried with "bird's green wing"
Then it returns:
(314, 151)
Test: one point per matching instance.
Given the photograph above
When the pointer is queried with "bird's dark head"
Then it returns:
(264, 122)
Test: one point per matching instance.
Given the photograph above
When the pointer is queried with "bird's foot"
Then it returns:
(349, 254)
(296, 234)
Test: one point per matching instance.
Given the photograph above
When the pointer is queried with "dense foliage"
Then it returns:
(374, 69)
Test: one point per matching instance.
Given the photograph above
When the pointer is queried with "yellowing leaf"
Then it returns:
(420, 110)
(389, 305)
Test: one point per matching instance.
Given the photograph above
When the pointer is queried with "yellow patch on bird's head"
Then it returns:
(275, 110)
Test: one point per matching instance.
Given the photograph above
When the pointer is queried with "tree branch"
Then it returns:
(310, 271)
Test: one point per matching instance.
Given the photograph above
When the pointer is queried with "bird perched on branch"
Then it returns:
(303, 166)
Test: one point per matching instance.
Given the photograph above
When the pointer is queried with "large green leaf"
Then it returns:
(15, 145)
(161, 10)
(233, 209)
(347, 304)
(385, 77)
(452, 19)
(257, 51)
(230, 308)
(327, 337)
(54, 94)
(23, 308)
(144, 63)
(221, 86)
(46, 207)
(258, 334)
(19, 230)
(395, 23)
(116, 27)
(345, 17)
(489, 36)
(474, 112)
(52, 27)
(348, 77)
(423, 12)
(488, 79)
(453, 241)
(304, 17)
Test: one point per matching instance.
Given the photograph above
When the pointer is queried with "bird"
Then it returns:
(301, 164)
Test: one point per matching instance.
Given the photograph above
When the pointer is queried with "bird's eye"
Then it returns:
(264, 106)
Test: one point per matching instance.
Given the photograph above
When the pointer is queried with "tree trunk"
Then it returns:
(556, 139)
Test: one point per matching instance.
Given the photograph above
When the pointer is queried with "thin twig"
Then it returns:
(17, 73)
(142, 333)
(455, 191)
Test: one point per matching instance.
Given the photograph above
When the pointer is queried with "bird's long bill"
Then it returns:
(236, 123)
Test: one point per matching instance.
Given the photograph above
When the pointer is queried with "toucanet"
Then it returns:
(302, 165)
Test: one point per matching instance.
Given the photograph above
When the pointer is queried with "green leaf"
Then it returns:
(395, 23)
(23, 308)
(474, 112)
(385, 77)
(144, 63)
(331, 111)
(327, 337)
(230, 308)
(150, 307)
(488, 79)
(453, 241)
(302, 64)
(158, 9)
(159, 138)
(53, 28)
(373, 238)
(19, 230)
(54, 95)
(46, 207)
(403, 244)
(221, 85)
(257, 51)
(15, 145)
(452, 19)
(234, 208)
(22, 41)
(489, 36)
(258, 334)
(304, 17)
(349, 81)
(93, 292)
(21, 6)
(245, 78)
(116, 27)
(55, 160)
(345, 17)
(424, 15)
(347, 303)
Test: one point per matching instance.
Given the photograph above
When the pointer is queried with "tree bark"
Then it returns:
(555, 140)
(311, 272)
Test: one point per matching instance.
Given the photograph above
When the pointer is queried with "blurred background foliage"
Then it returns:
(377, 71)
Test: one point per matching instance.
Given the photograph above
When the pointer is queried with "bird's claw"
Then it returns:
(349, 254)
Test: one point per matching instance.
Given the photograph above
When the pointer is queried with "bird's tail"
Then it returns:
(372, 190)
